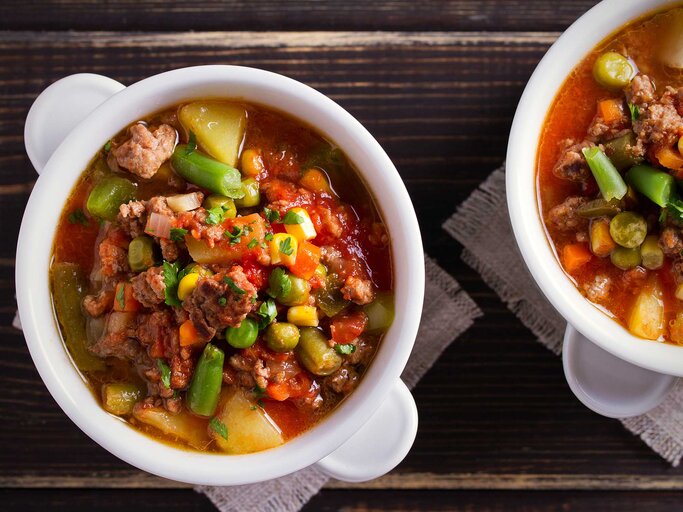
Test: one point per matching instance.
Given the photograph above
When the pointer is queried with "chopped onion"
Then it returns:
(184, 202)
(119, 321)
(158, 225)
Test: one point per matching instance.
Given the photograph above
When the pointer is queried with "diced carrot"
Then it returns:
(300, 385)
(124, 299)
(670, 159)
(574, 256)
(279, 392)
(347, 328)
(307, 260)
(600, 238)
(188, 334)
(610, 110)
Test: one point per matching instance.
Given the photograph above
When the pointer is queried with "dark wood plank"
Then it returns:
(425, 15)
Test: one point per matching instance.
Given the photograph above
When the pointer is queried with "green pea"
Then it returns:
(315, 354)
(624, 258)
(282, 336)
(141, 253)
(228, 205)
(612, 70)
(651, 254)
(243, 336)
(628, 229)
(252, 196)
(296, 294)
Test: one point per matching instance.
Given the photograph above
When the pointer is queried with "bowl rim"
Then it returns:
(523, 203)
(34, 249)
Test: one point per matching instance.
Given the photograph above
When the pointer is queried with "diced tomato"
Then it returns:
(347, 328)
(279, 391)
(256, 273)
(307, 260)
(124, 299)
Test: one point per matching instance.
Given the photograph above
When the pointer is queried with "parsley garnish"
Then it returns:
(191, 143)
(233, 287)
(170, 273)
(258, 391)
(222, 301)
(78, 217)
(178, 234)
(267, 313)
(215, 215)
(271, 215)
(345, 349)
(252, 244)
(120, 296)
(635, 112)
(107, 146)
(235, 236)
(280, 284)
(286, 246)
(165, 373)
(675, 209)
(219, 427)
(268, 237)
(291, 217)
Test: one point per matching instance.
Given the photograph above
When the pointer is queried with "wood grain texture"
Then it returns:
(164, 15)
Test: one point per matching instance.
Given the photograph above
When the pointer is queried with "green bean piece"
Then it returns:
(68, 291)
(329, 297)
(214, 200)
(599, 208)
(108, 194)
(205, 387)
(613, 71)
(380, 312)
(321, 272)
(119, 397)
(656, 185)
(296, 294)
(610, 182)
(651, 254)
(206, 172)
(624, 258)
(141, 253)
(243, 336)
(315, 354)
(282, 336)
(618, 153)
(628, 229)
(252, 195)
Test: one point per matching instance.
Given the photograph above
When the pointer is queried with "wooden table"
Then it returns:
(437, 83)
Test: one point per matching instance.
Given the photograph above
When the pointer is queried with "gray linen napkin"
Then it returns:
(490, 249)
(447, 312)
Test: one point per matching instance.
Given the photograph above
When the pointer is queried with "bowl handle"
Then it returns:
(58, 110)
(380, 445)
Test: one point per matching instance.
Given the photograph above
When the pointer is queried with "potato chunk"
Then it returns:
(250, 429)
(647, 316)
(182, 426)
(219, 127)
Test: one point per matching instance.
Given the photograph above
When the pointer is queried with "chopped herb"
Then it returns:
(252, 408)
(235, 236)
(107, 146)
(635, 113)
(215, 215)
(231, 284)
(286, 246)
(248, 229)
(165, 373)
(267, 312)
(662, 216)
(280, 284)
(170, 273)
(222, 301)
(120, 296)
(258, 391)
(253, 243)
(263, 245)
(219, 427)
(268, 237)
(291, 217)
(78, 217)
(260, 403)
(178, 234)
(191, 143)
(675, 209)
(271, 215)
(345, 349)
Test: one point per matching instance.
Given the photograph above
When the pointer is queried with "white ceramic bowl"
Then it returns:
(593, 27)
(371, 431)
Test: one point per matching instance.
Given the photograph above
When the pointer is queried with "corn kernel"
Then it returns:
(316, 181)
(252, 164)
(303, 316)
(187, 284)
(283, 248)
(303, 231)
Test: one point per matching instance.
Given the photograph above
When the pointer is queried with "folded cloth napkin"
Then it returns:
(490, 248)
(447, 312)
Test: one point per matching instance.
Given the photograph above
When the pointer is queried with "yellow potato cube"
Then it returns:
(303, 316)
(283, 248)
(303, 230)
